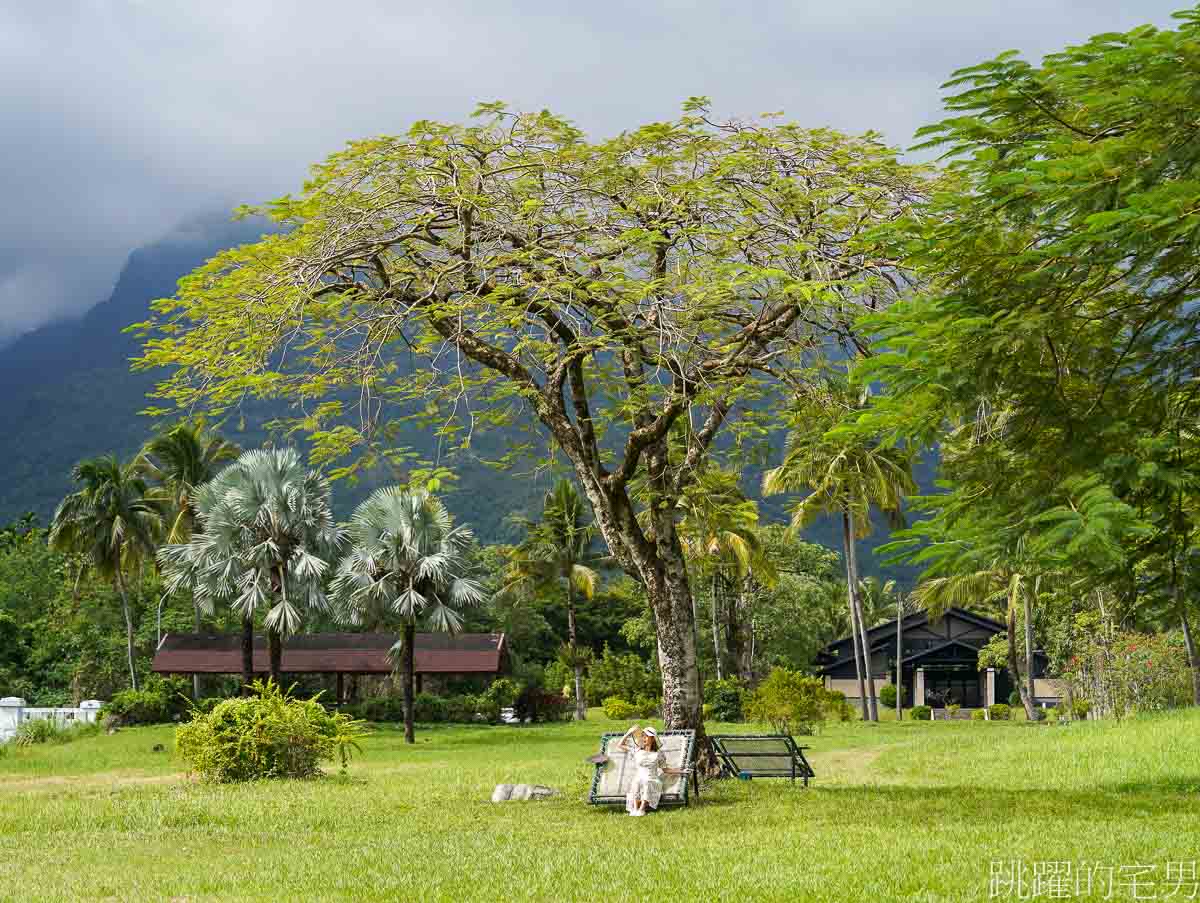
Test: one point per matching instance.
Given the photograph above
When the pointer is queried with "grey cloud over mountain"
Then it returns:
(120, 119)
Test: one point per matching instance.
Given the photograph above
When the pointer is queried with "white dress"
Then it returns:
(647, 780)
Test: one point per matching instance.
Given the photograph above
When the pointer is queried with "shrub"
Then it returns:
(618, 709)
(837, 706)
(267, 735)
(724, 698)
(627, 676)
(1080, 708)
(427, 708)
(381, 708)
(953, 709)
(558, 678)
(1014, 700)
(978, 715)
(503, 692)
(921, 713)
(647, 706)
(887, 696)
(791, 702)
(157, 702)
(999, 712)
(47, 730)
(537, 704)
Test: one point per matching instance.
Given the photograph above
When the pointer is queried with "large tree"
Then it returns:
(113, 524)
(266, 538)
(558, 551)
(407, 560)
(1055, 337)
(632, 298)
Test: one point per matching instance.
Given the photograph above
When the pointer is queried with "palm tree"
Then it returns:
(113, 524)
(998, 580)
(718, 533)
(407, 557)
(558, 552)
(265, 535)
(844, 473)
(178, 462)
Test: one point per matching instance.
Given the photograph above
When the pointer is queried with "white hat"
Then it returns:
(649, 730)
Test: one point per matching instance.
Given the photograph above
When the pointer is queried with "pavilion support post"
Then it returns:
(990, 692)
(919, 687)
(340, 696)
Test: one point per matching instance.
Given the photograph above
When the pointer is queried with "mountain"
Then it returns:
(67, 393)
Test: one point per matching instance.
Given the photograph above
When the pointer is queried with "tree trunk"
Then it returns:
(899, 658)
(275, 641)
(736, 645)
(120, 581)
(1194, 661)
(872, 701)
(407, 670)
(715, 633)
(576, 664)
(247, 653)
(1029, 645)
(1022, 688)
(847, 542)
(196, 622)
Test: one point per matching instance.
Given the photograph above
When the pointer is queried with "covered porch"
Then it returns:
(949, 674)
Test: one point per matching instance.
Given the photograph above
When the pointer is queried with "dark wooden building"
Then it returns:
(438, 656)
(939, 665)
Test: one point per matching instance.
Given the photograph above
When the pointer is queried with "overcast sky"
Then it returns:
(121, 118)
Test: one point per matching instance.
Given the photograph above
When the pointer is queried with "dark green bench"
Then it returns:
(762, 756)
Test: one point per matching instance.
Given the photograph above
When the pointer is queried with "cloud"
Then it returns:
(120, 119)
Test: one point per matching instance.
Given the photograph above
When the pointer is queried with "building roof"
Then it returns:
(884, 635)
(330, 653)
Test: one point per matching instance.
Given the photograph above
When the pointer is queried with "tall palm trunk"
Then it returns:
(716, 634)
(119, 579)
(872, 701)
(1029, 646)
(899, 658)
(847, 542)
(247, 653)
(196, 621)
(576, 664)
(275, 642)
(1190, 644)
(1014, 669)
(408, 672)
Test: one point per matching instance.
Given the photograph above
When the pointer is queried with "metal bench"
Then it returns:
(614, 773)
(762, 756)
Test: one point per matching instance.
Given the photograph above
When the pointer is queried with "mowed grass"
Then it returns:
(899, 811)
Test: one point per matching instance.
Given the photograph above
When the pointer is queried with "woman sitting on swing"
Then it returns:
(647, 786)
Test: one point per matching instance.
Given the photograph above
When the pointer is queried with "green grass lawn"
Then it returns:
(899, 811)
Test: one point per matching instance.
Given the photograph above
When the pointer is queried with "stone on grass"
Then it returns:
(509, 792)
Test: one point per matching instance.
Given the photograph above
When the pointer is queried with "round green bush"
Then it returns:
(267, 735)
(921, 713)
(999, 712)
(978, 715)
(724, 698)
(887, 696)
(618, 709)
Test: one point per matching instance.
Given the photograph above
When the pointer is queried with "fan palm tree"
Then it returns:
(558, 552)
(406, 557)
(265, 532)
(844, 473)
(178, 462)
(113, 523)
